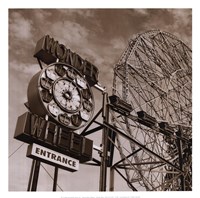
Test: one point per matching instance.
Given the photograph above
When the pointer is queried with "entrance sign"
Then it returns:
(51, 157)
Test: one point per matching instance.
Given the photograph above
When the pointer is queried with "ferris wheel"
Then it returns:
(154, 76)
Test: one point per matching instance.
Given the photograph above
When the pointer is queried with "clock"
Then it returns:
(61, 92)
(67, 95)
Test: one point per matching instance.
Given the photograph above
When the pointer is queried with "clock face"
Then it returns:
(64, 95)
(67, 95)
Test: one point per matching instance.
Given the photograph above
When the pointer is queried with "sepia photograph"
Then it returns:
(100, 99)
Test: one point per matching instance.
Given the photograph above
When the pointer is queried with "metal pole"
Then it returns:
(104, 155)
(129, 183)
(31, 175)
(112, 175)
(55, 178)
(35, 176)
(180, 151)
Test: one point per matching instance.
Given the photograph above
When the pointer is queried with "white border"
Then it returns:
(6, 4)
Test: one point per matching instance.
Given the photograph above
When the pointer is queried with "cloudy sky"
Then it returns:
(100, 35)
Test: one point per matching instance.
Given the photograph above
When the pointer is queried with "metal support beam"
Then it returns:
(129, 184)
(55, 178)
(112, 176)
(180, 152)
(93, 119)
(104, 155)
(40, 64)
(136, 164)
(111, 146)
(127, 157)
(31, 175)
(34, 174)
(93, 130)
(142, 146)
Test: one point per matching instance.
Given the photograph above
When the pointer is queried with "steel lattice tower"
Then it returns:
(154, 75)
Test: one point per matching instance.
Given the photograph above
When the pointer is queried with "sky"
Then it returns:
(100, 36)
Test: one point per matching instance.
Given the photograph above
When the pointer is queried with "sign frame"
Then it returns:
(52, 157)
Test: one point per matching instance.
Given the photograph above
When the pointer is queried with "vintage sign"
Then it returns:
(51, 157)
(48, 51)
(62, 93)
(31, 128)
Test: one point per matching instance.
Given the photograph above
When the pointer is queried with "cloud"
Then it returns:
(141, 11)
(175, 21)
(19, 77)
(21, 36)
(85, 13)
(69, 32)
(183, 21)
(26, 69)
(182, 17)
(20, 28)
(118, 43)
(40, 15)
